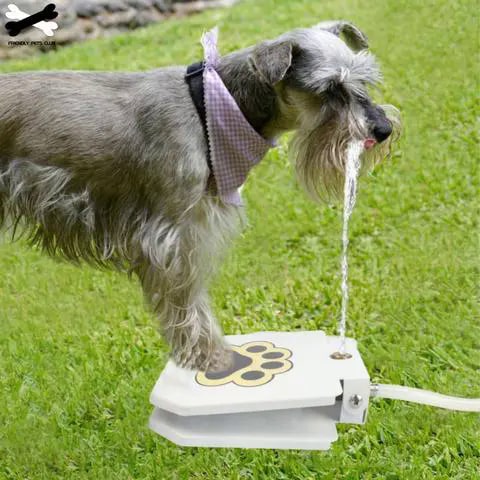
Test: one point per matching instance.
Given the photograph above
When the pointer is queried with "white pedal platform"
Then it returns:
(283, 391)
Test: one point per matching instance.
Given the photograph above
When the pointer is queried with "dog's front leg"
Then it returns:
(174, 274)
(186, 320)
(194, 334)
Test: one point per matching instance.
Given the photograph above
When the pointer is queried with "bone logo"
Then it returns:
(38, 20)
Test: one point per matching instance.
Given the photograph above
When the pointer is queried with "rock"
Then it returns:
(140, 4)
(146, 17)
(69, 35)
(190, 7)
(87, 8)
(117, 19)
(163, 6)
(115, 5)
(90, 28)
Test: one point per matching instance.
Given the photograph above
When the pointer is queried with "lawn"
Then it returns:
(79, 353)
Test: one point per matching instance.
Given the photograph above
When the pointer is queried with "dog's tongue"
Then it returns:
(369, 143)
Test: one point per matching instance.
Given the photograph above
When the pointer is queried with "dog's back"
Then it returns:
(82, 153)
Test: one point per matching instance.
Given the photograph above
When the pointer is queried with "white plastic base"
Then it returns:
(304, 428)
(284, 392)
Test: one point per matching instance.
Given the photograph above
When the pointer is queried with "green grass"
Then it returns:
(79, 354)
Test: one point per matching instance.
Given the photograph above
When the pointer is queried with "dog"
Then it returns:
(114, 169)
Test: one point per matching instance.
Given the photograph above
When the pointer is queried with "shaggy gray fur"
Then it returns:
(111, 168)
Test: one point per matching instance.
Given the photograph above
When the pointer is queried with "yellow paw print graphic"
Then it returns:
(254, 364)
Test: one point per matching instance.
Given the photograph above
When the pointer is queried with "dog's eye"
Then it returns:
(337, 92)
(362, 99)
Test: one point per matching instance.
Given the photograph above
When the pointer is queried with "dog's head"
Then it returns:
(321, 84)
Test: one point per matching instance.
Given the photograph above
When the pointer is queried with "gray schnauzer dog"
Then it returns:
(112, 168)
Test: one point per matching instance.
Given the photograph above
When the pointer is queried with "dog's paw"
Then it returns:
(252, 364)
(203, 357)
(221, 359)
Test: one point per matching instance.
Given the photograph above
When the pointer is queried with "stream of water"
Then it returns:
(350, 195)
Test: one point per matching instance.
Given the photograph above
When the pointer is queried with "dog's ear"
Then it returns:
(352, 35)
(272, 59)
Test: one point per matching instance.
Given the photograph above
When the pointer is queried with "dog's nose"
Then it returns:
(382, 131)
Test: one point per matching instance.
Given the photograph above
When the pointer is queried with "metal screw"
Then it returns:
(340, 356)
(355, 401)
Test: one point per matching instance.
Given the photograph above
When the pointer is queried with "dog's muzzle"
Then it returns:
(381, 130)
(380, 126)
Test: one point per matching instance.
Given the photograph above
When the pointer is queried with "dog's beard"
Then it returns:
(320, 153)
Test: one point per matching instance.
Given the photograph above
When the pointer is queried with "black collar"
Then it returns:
(194, 79)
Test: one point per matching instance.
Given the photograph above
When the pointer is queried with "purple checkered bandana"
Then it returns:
(235, 146)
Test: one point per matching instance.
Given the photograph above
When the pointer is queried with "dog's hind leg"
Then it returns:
(39, 201)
